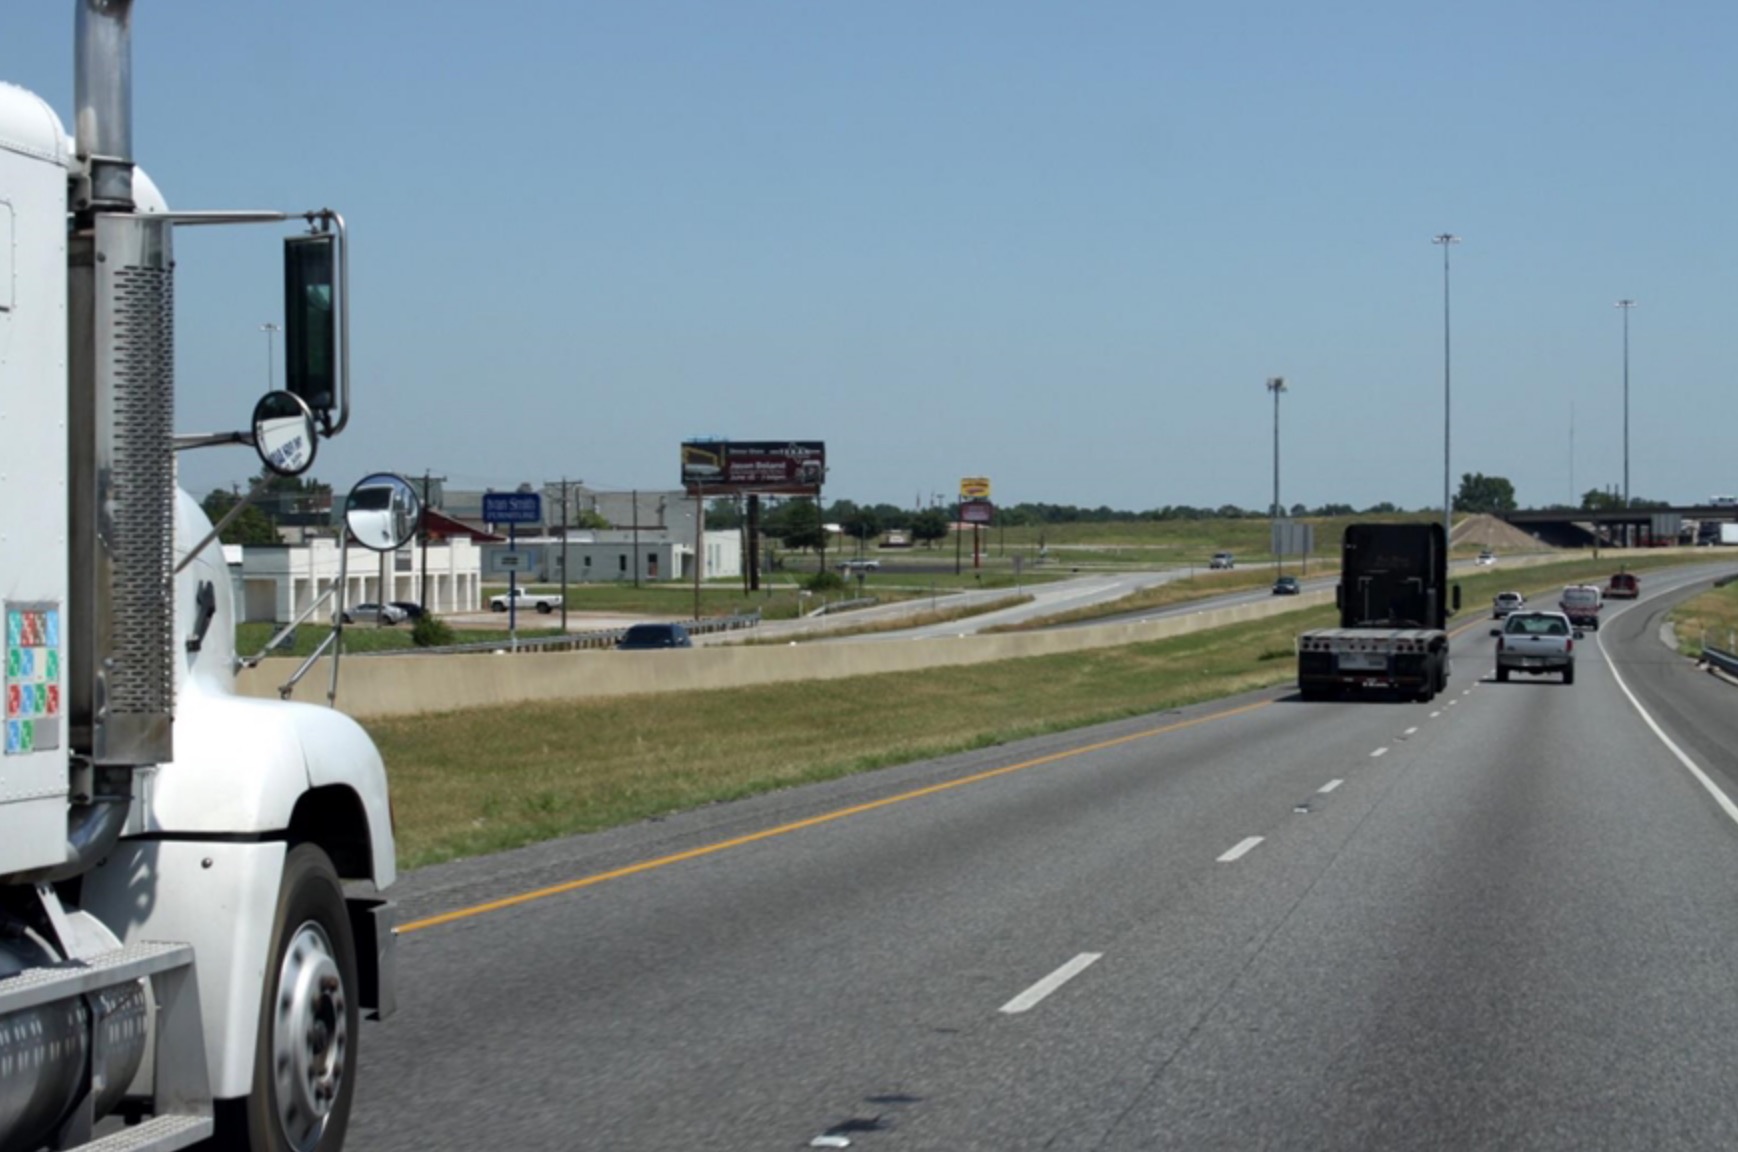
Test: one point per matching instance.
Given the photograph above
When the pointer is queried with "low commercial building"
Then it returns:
(276, 583)
(594, 557)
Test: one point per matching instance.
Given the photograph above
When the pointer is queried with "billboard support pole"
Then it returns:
(956, 538)
(699, 543)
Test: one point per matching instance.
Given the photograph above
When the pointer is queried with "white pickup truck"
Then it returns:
(1536, 644)
(525, 601)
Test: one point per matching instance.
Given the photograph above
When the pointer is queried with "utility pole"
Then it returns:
(1447, 240)
(423, 529)
(1626, 305)
(564, 555)
(1276, 385)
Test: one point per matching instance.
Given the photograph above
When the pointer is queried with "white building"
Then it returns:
(277, 583)
(595, 557)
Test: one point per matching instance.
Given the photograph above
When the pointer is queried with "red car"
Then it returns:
(1623, 586)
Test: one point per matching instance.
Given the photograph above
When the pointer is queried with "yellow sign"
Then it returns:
(975, 488)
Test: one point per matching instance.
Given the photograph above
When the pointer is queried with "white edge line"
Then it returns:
(1330, 785)
(1379, 752)
(1242, 847)
(1033, 995)
(1720, 797)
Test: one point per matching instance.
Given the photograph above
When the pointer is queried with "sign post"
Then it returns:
(512, 509)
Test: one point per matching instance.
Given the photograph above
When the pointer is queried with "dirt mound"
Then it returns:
(1493, 533)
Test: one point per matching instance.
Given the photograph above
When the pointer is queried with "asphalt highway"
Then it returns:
(1504, 919)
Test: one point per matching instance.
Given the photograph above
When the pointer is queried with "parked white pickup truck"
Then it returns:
(525, 601)
(1537, 644)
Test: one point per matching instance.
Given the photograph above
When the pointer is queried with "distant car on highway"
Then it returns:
(1286, 586)
(1623, 586)
(859, 565)
(643, 637)
(1581, 603)
(1222, 560)
(1486, 557)
(1537, 644)
(1505, 603)
(411, 609)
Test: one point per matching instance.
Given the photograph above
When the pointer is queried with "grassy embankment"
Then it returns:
(1714, 615)
(488, 779)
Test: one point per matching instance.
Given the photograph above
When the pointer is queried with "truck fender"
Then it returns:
(220, 898)
(244, 766)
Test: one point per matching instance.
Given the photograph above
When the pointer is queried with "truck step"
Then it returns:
(35, 987)
(158, 1134)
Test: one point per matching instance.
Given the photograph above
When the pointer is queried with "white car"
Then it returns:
(1222, 560)
(371, 613)
(1505, 603)
(1486, 557)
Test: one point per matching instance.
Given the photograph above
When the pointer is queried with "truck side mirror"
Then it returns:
(283, 433)
(311, 322)
(1340, 596)
(382, 512)
(1456, 597)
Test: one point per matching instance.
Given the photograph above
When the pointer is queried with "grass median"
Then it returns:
(484, 780)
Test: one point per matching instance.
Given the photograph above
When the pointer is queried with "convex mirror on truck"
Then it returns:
(284, 433)
(382, 512)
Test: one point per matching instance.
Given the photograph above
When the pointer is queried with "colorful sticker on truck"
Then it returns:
(33, 689)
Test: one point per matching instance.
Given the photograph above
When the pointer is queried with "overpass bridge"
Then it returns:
(1644, 527)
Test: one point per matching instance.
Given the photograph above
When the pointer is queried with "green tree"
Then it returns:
(1594, 500)
(929, 526)
(722, 515)
(251, 527)
(594, 521)
(1481, 493)
(796, 522)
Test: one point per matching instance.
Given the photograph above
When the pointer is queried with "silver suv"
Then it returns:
(1222, 560)
(1505, 603)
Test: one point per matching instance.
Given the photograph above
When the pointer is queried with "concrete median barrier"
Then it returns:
(405, 685)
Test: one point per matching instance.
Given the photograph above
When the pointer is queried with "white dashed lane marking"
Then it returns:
(1330, 785)
(1033, 995)
(1240, 849)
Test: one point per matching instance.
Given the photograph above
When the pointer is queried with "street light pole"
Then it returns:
(271, 330)
(1625, 305)
(1276, 385)
(1447, 240)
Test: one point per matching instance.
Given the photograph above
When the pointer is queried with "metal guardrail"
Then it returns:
(1719, 658)
(603, 638)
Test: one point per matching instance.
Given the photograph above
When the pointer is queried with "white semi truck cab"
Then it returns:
(191, 918)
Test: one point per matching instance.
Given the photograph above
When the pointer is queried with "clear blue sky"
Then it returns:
(1060, 245)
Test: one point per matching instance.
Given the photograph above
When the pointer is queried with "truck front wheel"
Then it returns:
(305, 1057)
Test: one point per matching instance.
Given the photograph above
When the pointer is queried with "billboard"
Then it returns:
(974, 488)
(726, 466)
(977, 512)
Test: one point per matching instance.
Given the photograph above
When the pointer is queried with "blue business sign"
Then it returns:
(513, 508)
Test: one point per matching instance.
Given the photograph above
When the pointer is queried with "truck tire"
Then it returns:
(1569, 674)
(546, 607)
(497, 606)
(304, 1065)
(1502, 674)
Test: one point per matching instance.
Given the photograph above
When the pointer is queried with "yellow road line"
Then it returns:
(813, 821)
